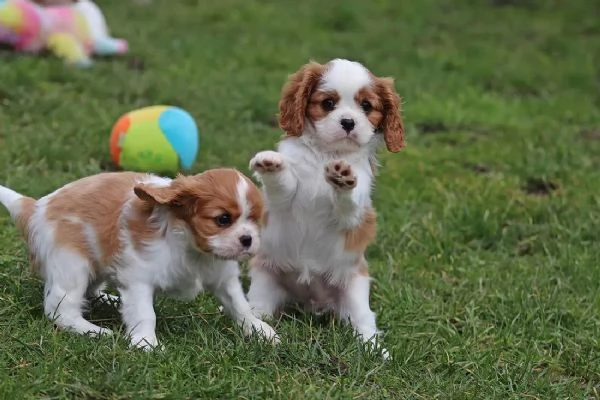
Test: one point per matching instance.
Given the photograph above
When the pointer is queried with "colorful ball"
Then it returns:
(155, 139)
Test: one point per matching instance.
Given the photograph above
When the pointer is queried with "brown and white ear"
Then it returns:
(295, 95)
(392, 125)
(155, 194)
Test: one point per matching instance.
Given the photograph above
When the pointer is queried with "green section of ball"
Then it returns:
(145, 148)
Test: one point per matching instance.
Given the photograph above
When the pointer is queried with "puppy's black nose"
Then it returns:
(246, 240)
(347, 124)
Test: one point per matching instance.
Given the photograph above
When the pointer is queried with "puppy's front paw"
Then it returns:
(146, 343)
(100, 332)
(261, 311)
(258, 327)
(266, 162)
(339, 174)
(375, 346)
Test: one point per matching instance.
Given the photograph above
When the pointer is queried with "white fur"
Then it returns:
(302, 255)
(346, 78)
(169, 264)
(10, 199)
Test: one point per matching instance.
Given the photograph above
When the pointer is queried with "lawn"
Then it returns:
(487, 264)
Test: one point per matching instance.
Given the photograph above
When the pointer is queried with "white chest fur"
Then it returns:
(168, 265)
(303, 234)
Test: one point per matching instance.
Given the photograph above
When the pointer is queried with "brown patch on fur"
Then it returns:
(27, 207)
(358, 239)
(376, 114)
(198, 200)
(392, 125)
(22, 221)
(295, 95)
(265, 218)
(315, 110)
(95, 201)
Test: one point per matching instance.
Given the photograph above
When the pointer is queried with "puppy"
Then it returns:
(319, 218)
(143, 234)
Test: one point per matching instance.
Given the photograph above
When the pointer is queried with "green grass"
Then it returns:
(487, 283)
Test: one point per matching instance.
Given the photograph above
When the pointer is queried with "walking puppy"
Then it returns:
(143, 234)
(319, 218)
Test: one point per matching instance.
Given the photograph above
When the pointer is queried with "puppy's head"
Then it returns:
(344, 103)
(221, 209)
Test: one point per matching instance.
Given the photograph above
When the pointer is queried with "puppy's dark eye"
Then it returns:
(223, 219)
(366, 106)
(328, 104)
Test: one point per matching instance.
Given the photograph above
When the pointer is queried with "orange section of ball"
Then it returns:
(119, 130)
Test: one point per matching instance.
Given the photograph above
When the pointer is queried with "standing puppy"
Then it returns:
(143, 234)
(319, 218)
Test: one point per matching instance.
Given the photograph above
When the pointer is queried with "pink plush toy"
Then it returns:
(73, 32)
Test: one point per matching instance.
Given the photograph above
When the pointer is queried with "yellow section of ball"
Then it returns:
(145, 147)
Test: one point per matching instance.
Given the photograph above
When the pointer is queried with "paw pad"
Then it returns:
(340, 175)
(266, 161)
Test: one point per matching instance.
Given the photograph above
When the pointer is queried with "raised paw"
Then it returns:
(266, 162)
(339, 174)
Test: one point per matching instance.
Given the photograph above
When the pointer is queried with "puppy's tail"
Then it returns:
(20, 207)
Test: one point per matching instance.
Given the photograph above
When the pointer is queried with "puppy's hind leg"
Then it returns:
(67, 280)
(354, 308)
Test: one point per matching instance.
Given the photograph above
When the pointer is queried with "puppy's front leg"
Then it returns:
(137, 309)
(228, 289)
(347, 207)
(276, 175)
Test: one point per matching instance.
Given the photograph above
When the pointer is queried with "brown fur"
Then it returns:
(96, 201)
(392, 125)
(315, 110)
(197, 200)
(295, 95)
(299, 100)
(21, 221)
(376, 115)
(358, 239)
(26, 211)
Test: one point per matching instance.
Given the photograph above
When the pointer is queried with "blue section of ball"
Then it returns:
(181, 131)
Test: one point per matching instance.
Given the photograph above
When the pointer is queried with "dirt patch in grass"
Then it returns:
(539, 186)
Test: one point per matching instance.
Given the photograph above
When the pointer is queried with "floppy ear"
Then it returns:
(295, 95)
(392, 126)
(156, 194)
